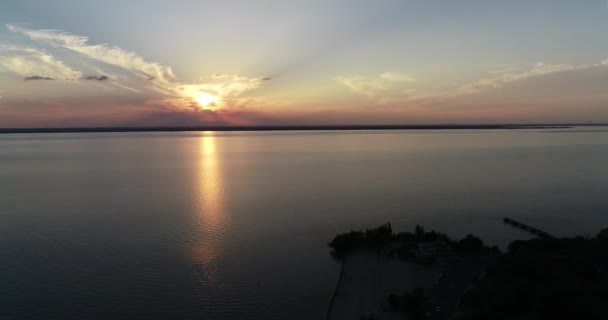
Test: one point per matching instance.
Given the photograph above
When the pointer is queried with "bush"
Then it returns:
(344, 243)
(413, 304)
(470, 244)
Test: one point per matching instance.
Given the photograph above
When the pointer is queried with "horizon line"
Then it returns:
(294, 127)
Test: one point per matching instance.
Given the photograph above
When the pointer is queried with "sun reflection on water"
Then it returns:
(209, 205)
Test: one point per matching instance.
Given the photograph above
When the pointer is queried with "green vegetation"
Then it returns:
(544, 279)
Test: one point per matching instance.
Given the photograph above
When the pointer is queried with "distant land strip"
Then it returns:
(292, 128)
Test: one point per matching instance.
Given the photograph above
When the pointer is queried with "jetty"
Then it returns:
(530, 229)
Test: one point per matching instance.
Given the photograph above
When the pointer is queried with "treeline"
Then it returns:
(383, 234)
(372, 238)
(544, 279)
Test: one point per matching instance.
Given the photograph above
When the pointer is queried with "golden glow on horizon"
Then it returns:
(206, 100)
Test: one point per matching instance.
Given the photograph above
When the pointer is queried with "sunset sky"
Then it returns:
(173, 63)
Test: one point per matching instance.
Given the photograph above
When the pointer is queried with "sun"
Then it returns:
(205, 99)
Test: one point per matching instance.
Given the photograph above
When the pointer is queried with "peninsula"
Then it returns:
(426, 275)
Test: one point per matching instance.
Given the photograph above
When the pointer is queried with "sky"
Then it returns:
(91, 63)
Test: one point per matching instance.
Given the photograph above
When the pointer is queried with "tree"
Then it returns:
(470, 244)
(419, 233)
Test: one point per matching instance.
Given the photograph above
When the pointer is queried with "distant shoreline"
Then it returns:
(292, 128)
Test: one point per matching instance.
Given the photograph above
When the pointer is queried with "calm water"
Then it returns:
(235, 225)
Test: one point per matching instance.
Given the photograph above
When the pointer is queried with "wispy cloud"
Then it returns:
(378, 86)
(504, 69)
(166, 89)
(512, 75)
(28, 62)
(397, 77)
(101, 52)
(393, 88)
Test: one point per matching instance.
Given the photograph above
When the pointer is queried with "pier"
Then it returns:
(530, 229)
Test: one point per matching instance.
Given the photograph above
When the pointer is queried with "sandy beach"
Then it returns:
(369, 278)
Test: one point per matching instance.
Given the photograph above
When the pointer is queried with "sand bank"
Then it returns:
(369, 278)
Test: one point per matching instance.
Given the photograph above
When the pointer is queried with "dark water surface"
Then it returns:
(234, 225)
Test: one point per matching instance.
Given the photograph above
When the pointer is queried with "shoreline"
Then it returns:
(333, 296)
(293, 128)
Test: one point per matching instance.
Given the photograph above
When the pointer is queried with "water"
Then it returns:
(234, 225)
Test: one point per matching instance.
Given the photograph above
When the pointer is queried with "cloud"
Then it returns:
(510, 76)
(390, 88)
(101, 52)
(37, 78)
(376, 87)
(504, 69)
(229, 90)
(227, 85)
(97, 78)
(153, 93)
(396, 77)
(28, 61)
